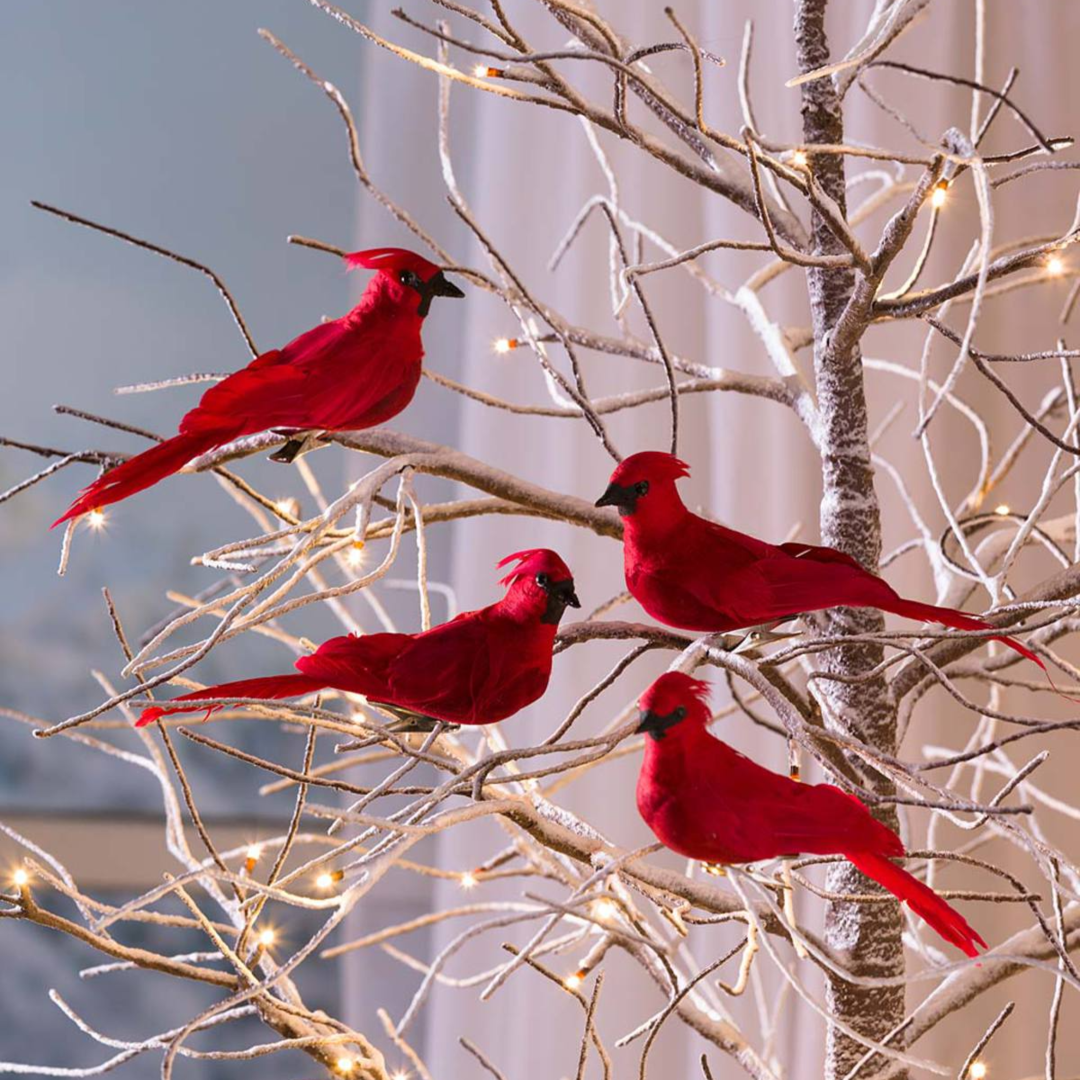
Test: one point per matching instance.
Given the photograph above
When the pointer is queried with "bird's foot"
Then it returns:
(409, 723)
(300, 442)
(714, 869)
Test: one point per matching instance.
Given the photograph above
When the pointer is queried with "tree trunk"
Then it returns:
(866, 936)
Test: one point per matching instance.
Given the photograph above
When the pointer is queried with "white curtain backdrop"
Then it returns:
(526, 173)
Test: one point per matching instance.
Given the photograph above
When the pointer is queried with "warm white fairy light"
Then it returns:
(977, 1070)
(799, 159)
(21, 878)
(1002, 510)
(401, 1074)
(355, 555)
(1055, 266)
(96, 519)
(267, 938)
(573, 981)
(482, 71)
(503, 345)
(467, 880)
(939, 194)
(329, 878)
(605, 910)
(345, 1065)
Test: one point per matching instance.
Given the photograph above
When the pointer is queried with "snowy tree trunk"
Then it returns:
(866, 936)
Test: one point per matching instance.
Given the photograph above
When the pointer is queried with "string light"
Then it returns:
(21, 878)
(329, 878)
(467, 880)
(401, 1074)
(503, 345)
(482, 71)
(799, 159)
(1055, 266)
(355, 555)
(939, 194)
(605, 909)
(1002, 510)
(267, 938)
(96, 519)
(345, 1065)
(977, 1070)
(288, 506)
(573, 981)
(253, 853)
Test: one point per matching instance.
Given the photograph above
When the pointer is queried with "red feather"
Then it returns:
(697, 575)
(708, 802)
(479, 668)
(344, 375)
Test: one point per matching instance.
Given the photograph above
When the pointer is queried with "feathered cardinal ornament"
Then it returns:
(708, 802)
(697, 575)
(479, 668)
(344, 375)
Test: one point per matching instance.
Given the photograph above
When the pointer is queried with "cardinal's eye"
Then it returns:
(543, 580)
(680, 713)
(641, 488)
(409, 278)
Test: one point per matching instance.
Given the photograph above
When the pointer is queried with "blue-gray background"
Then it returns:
(182, 127)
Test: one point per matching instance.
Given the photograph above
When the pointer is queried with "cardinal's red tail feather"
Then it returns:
(141, 472)
(946, 920)
(958, 620)
(273, 686)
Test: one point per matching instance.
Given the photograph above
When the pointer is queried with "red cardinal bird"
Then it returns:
(697, 575)
(708, 802)
(479, 668)
(351, 373)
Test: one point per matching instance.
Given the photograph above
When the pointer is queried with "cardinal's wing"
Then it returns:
(782, 581)
(354, 662)
(443, 671)
(321, 379)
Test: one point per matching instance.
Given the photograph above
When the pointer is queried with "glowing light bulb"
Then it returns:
(324, 881)
(1002, 510)
(939, 194)
(482, 71)
(605, 909)
(21, 878)
(401, 1074)
(344, 1064)
(799, 159)
(96, 519)
(288, 506)
(573, 981)
(355, 555)
(1055, 266)
(254, 852)
(267, 938)
(467, 880)
(504, 345)
(977, 1070)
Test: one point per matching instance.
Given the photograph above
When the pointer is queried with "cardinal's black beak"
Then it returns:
(439, 286)
(654, 725)
(560, 596)
(624, 499)
(649, 723)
